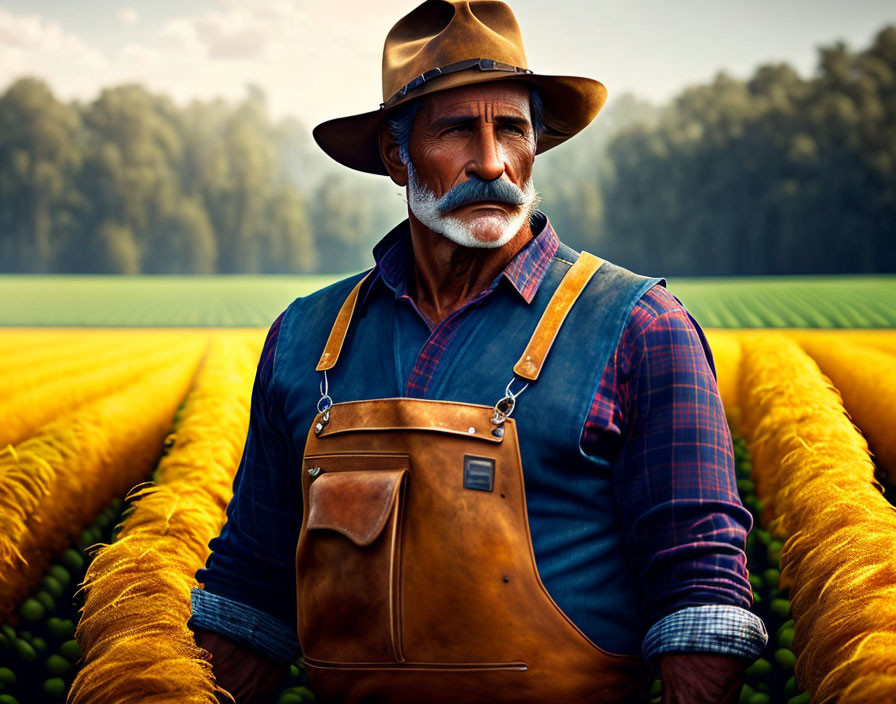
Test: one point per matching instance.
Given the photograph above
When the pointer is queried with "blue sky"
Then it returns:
(318, 60)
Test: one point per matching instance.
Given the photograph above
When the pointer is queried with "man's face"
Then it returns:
(472, 150)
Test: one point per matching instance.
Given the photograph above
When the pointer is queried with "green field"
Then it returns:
(793, 301)
(254, 301)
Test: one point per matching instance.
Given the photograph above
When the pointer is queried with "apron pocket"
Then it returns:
(348, 562)
(355, 504)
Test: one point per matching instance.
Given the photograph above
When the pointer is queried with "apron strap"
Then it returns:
(529, 365)
(337, 335)
(572, 285)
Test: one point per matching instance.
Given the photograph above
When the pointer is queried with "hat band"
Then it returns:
(423, 78)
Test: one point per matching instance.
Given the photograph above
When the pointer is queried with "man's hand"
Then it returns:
(248, 675)
(702, 678)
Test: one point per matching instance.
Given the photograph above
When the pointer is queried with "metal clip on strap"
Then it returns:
(505, 406)
(323, 405)
(330, 355)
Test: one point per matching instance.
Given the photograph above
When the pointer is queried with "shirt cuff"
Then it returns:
(245, 624)
(712, 628)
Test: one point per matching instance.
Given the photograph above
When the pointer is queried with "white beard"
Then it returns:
(424, 205)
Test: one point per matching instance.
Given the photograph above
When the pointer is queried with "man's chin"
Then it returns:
(488, 225)
(483, 231)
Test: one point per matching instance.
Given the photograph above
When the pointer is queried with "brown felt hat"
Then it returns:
(445, 44)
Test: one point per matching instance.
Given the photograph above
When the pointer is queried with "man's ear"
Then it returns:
(390, 154)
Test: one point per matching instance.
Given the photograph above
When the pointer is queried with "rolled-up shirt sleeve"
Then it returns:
(684, 525)
(247, 587)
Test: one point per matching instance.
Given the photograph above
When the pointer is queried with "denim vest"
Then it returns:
(578, 547)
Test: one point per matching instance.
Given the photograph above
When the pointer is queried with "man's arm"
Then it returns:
(703, 678)
(684, 525)
(244, 612)
(247, 675)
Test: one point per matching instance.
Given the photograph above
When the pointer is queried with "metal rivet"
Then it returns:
(471, 430)
(498, 432)
(318, 427)
(314, 471)
(506, 579)
(503, 496)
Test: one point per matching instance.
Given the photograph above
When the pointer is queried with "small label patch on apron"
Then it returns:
(479, 473)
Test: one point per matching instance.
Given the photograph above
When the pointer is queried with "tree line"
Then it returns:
(130, 183)
(773, 174)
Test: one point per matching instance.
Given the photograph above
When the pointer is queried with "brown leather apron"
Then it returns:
(416, 579)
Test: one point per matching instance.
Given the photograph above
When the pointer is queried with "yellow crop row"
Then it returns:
(133, 629)
(69, 352)
(22, 414)
(866, 379)
(813, 472)
(23, 349)
(24, 353)
(18, 358)
(16, 341)
(60, 370)
(883, 339)
(53, 484)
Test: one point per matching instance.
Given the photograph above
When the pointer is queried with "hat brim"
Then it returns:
(570, 104)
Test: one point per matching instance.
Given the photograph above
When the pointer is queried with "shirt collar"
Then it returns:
(525, 272)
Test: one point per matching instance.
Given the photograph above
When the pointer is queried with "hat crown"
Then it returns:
(447, 44)
(442, 32)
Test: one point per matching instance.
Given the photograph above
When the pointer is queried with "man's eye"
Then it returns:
(457, 128)
(513, 129)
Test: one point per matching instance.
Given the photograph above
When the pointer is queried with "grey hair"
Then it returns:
(401, 122)
(400, 125)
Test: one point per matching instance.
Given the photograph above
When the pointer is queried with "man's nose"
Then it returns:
(487, 160)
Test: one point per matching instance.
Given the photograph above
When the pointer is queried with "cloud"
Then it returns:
(293, 48)
(236, 31)
(180, 33)
(308, 64)
(128, 16)
(237, 34)
(140, 55)
(27, 31)
(33, 40)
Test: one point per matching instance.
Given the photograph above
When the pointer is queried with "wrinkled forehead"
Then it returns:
(498, 98)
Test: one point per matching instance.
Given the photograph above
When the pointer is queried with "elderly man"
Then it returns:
(524, 489)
